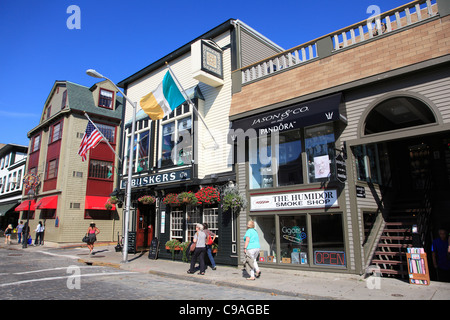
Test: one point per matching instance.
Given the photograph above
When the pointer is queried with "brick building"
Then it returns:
(71, 193)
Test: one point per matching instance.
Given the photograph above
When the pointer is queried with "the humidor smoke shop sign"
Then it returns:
(311, 199)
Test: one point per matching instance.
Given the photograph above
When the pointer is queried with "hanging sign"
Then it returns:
(341, 168)
(299, 200)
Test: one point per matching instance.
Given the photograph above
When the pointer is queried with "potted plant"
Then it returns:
(147, 199)
(188, 198)
(108, 205)
(184, 246)
(173, 245)
(208, 195)
(233, 199)
(172, 200)
(113, 200)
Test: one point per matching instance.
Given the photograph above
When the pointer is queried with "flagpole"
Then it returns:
(191, 103)
(106, 140)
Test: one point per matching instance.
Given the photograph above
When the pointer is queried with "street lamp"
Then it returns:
(95, 74)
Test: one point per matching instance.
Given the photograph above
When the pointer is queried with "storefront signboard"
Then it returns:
(341, 168)
(311, 199)
(158, 178)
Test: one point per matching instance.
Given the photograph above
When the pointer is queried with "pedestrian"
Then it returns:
(441, 263)
(8, 232)
(26, 232)
(19, 231)
(211, 234)
(39, 234)
(92, 233)
(251, 251)
(200, 249)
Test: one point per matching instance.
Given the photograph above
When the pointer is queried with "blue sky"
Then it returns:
(119, 38)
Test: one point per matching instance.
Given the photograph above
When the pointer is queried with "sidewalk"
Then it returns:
(302, 284)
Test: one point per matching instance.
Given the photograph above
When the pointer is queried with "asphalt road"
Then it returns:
(56, 275)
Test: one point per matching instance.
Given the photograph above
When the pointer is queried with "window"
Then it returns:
(194, 216)
(176, 140)
(144, 144)
(48, 214)
(176, 224)
(19, 180)
(55, 132)
(36, 143)
(167, 144)
(105, 99)
(276, 164)
(293, 240)
(328, 239)
(320, 152)
(100, 169)
(49, 111)
(52, 169)
(64, 100)
(372, 163)
(265, 226)
(108, 131)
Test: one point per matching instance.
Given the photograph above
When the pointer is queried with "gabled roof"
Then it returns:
(80, 99)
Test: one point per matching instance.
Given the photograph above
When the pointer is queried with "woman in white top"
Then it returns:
(39, 234)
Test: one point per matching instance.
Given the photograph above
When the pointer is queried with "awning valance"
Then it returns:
(97, 203)
(299, 115)
(48, 203)
(24, 205)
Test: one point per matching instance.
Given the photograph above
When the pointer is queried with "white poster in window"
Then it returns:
(321, 167)
(163, 221)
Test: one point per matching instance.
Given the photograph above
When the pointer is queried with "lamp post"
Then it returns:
(95, 74)
(31, 195)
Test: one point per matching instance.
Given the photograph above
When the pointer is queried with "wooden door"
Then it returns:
(145, 226)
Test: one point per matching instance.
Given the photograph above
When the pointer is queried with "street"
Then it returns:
(56, 274)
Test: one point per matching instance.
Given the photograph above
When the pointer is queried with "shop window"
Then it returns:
(372, 163)
(98, 214)
(211, 217)
(293, 240)
(265, 226)
(320, 152)
(328, 240)
(167, 144)
(48, 214)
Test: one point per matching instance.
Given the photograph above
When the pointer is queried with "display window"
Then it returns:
(305, 240)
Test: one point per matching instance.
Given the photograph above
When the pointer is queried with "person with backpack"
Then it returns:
(210, 237)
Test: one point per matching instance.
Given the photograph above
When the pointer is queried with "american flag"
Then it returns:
(90, 140)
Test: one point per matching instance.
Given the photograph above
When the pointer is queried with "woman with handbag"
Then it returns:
(198, 247)
(92, 233)
(210, 237)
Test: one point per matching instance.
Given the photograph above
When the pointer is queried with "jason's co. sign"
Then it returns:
(299, 200)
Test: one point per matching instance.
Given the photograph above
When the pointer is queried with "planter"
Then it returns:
(176, 248)
(113, 200)
(147, 199)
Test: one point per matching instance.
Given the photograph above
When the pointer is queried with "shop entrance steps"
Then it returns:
(390, 254)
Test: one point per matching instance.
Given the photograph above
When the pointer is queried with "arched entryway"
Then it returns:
(404, 152)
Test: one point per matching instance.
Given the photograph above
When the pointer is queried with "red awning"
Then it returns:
(24, 206)
(96, 203)
(47, 203)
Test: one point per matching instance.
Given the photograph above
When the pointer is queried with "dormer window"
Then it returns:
(105, 99)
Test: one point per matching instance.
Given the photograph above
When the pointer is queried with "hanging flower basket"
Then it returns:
(233, 199)
(113, 200)
(208, 195)
(188, 198)
(172, 200)
(108, 205)
(147, 199)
